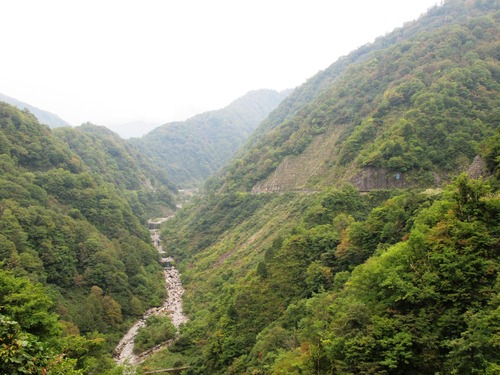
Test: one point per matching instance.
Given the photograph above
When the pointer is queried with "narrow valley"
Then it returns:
(124, 352)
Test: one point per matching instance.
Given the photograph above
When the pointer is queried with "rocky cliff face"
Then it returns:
(377, 178)
(299, 172)
(478, 168)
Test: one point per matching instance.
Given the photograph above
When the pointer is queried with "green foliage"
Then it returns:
(214, 216)
(101, 204)
(411, 308)
(385, 225)
(164, 359)
(78, 234)
(28, 330)
(121, 164)
(27, 304)
(20, 353)
(420, 295)
(414, 299)
(158, 330)
(29, 144)
(492, 154)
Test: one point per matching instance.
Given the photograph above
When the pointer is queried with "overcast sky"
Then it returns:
(113, 61)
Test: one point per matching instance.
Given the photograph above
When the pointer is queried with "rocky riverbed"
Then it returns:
(173, 307)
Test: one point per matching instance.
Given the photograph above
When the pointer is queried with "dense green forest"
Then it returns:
(356, 232)
(191, 150)
(401, 282)
(76, 260)
(288, 272)
(146, 185)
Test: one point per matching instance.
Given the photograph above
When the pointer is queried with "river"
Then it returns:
(124, 352)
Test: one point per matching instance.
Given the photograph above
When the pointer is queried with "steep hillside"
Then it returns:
(76, 261)
(409, 109)
(348, 264)
(192, 150)
(121, 164)
(42, 116)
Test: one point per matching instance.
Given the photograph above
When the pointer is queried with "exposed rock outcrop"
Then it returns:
(478, 168)
(377, 178)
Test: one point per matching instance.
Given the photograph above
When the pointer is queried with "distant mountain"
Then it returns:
(191, 150)
(44, 117)
(133, 128)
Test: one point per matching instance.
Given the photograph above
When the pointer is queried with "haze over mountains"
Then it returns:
(42, 116)
(191, 150)
(355, 231)
(133, 128)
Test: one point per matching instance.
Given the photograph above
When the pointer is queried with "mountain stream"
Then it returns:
(173, 307)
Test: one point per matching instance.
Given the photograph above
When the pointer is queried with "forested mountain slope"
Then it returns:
(76, 261)
(406, 110)
(193, 149)
(42, 116)
(318, 277)
(118, 162)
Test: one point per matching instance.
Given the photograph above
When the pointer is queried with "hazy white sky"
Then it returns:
(112, 61)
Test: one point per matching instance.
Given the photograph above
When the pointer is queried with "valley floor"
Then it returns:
(173, 307)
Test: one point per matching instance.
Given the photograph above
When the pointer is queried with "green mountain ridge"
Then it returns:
(121, 164)
(367, 110)
(193, 149)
